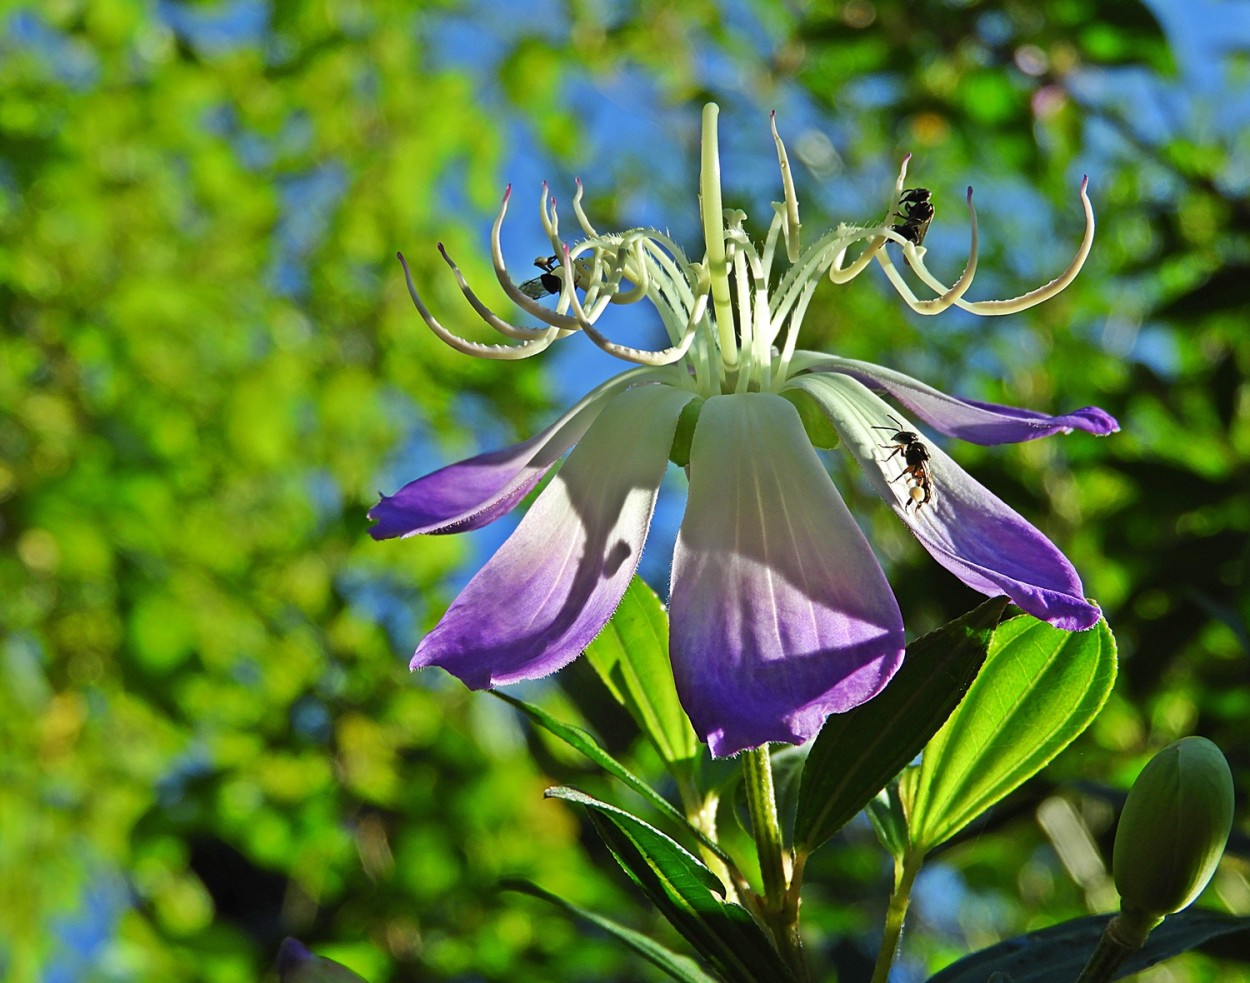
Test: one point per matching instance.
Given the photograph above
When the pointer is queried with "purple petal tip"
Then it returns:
(291, 955)
(1078, 617)
(1095, 420)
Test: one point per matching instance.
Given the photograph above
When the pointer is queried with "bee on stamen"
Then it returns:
(546, 283)
(916, 459)
(916, 212)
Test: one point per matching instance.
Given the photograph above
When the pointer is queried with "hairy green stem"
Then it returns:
(1120, 939)
(905, 871)
(780, 908)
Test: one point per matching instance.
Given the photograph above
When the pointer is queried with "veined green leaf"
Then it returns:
(631, 657)
(681, 968)
(687, 893)
(858, 752)
(581, 741)
(1039, 688)
(1060, 951)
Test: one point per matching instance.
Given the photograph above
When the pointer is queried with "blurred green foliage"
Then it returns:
(208, 366)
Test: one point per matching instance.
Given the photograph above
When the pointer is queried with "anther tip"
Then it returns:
(906, 157)
(772, 114)
(1084, 182)
(969, 193)
(577, 181)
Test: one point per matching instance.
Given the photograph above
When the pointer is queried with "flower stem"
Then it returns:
(905, 871)
(1120, 939)
(780, 909)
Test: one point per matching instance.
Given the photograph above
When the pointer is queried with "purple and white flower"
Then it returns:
(780, 614)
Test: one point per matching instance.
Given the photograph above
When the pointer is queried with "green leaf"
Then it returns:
(687, 893)
(885, 812)
(681, 968)
(1060, 951)
(579, 740)
(858, 752)
(1040, 687)
(631, 657)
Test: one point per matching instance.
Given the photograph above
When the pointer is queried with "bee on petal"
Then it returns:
(916, 457)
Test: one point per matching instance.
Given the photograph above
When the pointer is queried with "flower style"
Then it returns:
(779, 612)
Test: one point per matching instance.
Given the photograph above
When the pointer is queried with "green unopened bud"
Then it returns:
(1172, 833)
(297, 965)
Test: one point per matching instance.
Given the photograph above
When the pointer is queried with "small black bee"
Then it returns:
(916, 212)
(547, 282)
(916, 457)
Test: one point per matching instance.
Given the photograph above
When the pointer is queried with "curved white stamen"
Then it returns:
(840, 274)
(673, 292)
(1045, 292)
(463, 345)
(644, 356)
(582, 220)
(746, 322)
(599, 291)
(591, 285)
(898, 189)
(550, 217)
(774, 230)
(527, 304)
(946, 296)
(992, 308)
(827, 249)
(792, 333)
(484, 312)
(791, 223)
(845, 274)
(677, 282)
(638, 272)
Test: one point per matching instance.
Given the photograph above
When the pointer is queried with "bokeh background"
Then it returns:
(209, 367)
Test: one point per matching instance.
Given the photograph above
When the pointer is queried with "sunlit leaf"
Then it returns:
(687, 893)
(1039, 688)
(858, 752)
(578, 739)
(631, 657)
(681, 968)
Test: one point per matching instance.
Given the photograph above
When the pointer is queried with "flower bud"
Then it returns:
(1172, 831)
